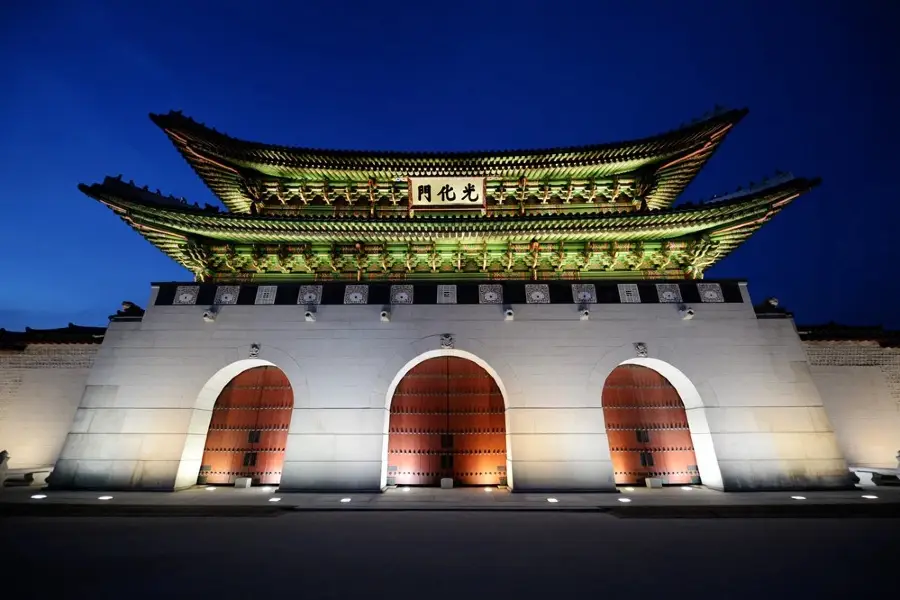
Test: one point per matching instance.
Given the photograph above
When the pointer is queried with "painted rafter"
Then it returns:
(245, 173)
(679, 242)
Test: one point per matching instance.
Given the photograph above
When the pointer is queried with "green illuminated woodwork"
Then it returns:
(568, 213)
(278, 179)
(634, 244)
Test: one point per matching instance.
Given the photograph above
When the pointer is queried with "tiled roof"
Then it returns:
(73, 334)
(170, 225)
(835, 332)
(223, 162)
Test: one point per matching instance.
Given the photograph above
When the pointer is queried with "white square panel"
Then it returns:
(668, 292)
(446, 294)
(186, 294)
(537, 293)
(401, 294)
(584, 293)
(265, 294)
(490, 293)
(628, 293)
(227, 294)
(710, 292)
(356, 294)
(310, 294)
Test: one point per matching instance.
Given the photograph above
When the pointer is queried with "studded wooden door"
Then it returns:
(248, 430)
(447, 420)
(647, 427)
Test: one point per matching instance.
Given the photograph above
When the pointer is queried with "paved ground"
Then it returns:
(437, 555)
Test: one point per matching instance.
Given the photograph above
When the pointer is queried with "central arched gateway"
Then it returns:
(248, 429)
(447, 420)
(647, 428)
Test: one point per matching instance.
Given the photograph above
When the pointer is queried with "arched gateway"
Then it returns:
(248, 429)
(647, 428)
(447, 420)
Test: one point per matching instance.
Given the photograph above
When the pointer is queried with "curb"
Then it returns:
(821, 511)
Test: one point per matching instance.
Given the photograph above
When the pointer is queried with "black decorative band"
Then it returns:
(582, 292)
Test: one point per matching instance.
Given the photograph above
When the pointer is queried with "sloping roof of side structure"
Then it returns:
(670, 160)
(73, 334)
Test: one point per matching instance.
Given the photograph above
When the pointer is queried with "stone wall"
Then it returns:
(756, 417)
(859, 382)
(40, 389)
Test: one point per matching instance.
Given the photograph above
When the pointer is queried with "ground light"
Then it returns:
(42, 496)
(552, 500)
(210, 489)
(624, 499)
(406, 489)
(345, 500)
(105, 498)
(274, 499)
(686, 488)
(866, 496)
(629, 489)
(487, 489)
(798, 497)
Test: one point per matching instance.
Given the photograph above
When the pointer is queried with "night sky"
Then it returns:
(79, 79)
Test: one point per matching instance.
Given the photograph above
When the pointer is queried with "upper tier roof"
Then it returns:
(227, 165)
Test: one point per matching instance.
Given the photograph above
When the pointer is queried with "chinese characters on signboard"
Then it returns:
(446, 192)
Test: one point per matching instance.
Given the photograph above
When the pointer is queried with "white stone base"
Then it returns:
(446, 483)
(653, 482)
(242, 482)
(865, 480)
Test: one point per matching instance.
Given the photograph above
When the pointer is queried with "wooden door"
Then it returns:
(447, 420)
(647, 427)
(248, 430)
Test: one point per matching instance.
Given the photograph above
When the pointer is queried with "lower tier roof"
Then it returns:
(657, 243)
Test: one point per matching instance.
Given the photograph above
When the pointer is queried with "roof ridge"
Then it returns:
(163, 120)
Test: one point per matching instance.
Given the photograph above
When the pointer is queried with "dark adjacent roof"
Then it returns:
(73, 334)
(835, 332)
(223, 162)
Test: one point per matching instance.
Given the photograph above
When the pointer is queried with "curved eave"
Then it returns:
(730, 237)
(222, 161)
(729, 223)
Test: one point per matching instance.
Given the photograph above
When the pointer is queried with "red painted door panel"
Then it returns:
(647, 427)
(447, 420)
(248, 429)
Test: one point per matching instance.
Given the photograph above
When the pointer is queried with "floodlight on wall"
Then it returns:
(310, 316)
(385, 316)
(209, 315)
(509, 314)
(686, 312)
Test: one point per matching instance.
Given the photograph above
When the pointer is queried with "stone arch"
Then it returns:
(695, 406)
(205, 400)
(423, 356)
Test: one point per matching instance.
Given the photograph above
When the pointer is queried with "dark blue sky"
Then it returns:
(79, 79)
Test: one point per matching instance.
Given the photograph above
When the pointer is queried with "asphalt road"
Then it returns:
(444, 555)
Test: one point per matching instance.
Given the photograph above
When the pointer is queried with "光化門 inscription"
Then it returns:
(449, 192)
